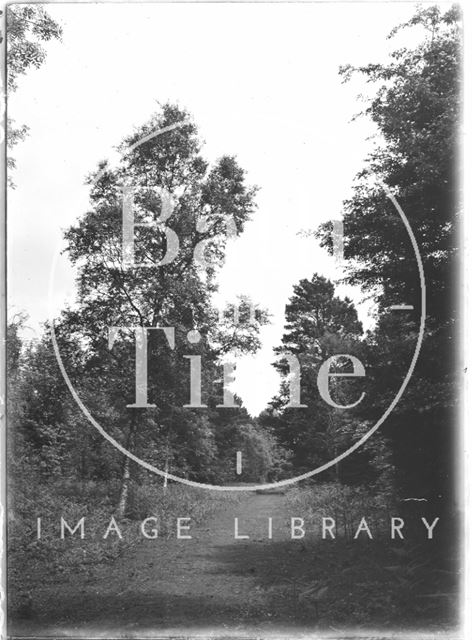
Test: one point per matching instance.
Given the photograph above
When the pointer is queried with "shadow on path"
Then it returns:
(216, 581)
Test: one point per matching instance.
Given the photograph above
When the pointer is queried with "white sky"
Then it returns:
(262, 83)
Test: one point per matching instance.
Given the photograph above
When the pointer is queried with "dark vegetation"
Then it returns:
(58, 464)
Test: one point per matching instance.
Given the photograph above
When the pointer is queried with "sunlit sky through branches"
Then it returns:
(262, 83)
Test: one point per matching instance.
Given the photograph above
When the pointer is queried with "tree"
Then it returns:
(13, 377)
(165, 173)
(318, 325)
(416, 108)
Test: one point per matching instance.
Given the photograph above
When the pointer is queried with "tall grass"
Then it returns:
(347, 505)
(33, 561)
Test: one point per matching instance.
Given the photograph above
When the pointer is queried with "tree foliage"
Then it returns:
(417, 110)
(210, 204)
(28, 26)
(319, 325)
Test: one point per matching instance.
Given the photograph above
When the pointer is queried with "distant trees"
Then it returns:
(263, 457)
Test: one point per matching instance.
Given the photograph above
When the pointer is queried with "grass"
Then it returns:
(51, 557)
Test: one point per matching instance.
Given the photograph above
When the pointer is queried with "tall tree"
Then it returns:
(169, 285)
(417, 111)
(318, 325)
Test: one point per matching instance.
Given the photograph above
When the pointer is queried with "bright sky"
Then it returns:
(262, 83)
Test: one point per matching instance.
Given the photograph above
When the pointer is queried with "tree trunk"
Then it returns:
(126, 474)
(166, 472)
(123, 501)
(167, 462)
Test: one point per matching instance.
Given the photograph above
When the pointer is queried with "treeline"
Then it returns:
(154, 316)
(416, 107)
(167, 181)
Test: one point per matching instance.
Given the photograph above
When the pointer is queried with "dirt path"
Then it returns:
(211, 580)
(214, 582)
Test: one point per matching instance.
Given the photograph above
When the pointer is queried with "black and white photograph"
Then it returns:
(233, 317)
